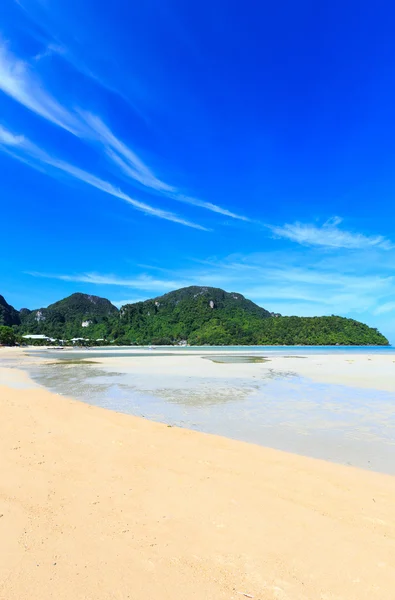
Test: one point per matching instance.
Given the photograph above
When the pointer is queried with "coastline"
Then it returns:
(98, 504)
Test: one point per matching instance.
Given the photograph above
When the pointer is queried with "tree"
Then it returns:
(7, 336)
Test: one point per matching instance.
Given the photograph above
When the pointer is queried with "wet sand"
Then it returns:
(99, 505)
(338, 407)
(376, 371)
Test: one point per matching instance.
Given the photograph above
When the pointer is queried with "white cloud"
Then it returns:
(49, 51)
(128, 160)
(53, 45)
(132, 166)
(143, 282)
(274, 282)
(336, 293)
(35, 157)
(207, 205)
(145, 178)
(9, 139)
(18, 82)
(385, 308)
(321, 278)
(329, 235)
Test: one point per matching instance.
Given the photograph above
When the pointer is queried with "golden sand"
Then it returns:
(96, 505)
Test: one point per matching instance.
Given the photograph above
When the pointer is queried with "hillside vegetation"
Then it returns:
(8, 315)
(196, 315)
(73, 316)
(187, 313)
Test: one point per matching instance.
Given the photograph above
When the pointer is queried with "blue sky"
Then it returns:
(250, 146)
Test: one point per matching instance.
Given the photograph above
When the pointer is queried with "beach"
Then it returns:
(100, 505)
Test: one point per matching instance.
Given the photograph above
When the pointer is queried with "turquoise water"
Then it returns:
(285, 350)
(126, 351)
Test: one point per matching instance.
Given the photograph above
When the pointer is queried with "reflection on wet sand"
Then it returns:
(239, 398)
(229, 359)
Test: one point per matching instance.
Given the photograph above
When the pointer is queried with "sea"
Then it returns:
(109, 351)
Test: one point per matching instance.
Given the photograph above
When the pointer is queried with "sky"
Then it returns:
(147, 146)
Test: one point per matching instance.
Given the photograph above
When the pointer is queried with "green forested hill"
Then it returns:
(179, 315)
(78, 315)
(204, 315)
(198, 315)
(317, 331)
(8, 315)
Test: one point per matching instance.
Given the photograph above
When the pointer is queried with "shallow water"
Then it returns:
(129, 351)
(280, 409)
(235, 358)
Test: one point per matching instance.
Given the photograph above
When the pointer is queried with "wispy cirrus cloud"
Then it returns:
(208, 206)
(47, 21)
(385, 308)
(118, 152)
(143, 282)
(133, 167)
(19, 81)
(329, 235)
(280, 282)
(49, 50)
(306, 289)
(10, 139)
(24, 150)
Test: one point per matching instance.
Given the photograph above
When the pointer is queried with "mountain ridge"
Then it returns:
(69, 316)
(181, 313)
(198, 315)
(8, 314)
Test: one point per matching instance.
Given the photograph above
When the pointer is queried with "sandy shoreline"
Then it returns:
(99, 505)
